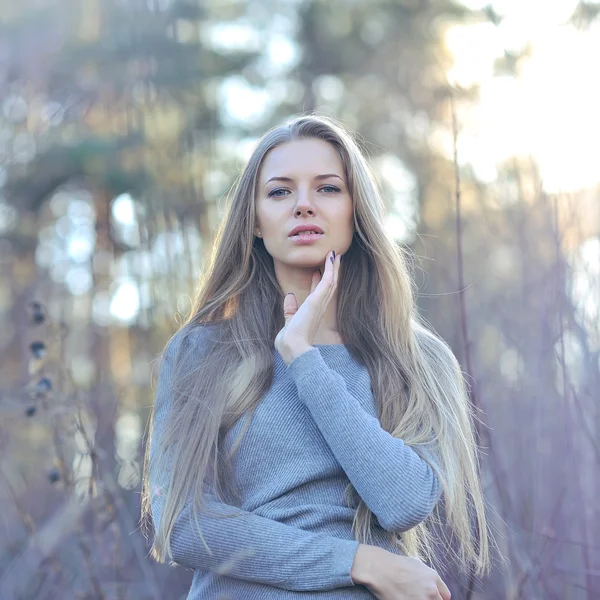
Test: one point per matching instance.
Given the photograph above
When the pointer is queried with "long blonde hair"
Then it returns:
(417, 382)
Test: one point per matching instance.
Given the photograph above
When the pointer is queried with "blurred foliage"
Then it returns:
(126, 89)
(124, 123)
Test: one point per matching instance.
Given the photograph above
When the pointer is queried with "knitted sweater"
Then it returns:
(315, 431)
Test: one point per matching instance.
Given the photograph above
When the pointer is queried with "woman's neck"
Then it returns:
(327, 336)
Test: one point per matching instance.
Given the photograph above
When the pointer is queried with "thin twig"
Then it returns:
(461, 295)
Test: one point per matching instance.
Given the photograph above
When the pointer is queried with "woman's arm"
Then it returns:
(397, 485)
(258, 549)
(252, 547)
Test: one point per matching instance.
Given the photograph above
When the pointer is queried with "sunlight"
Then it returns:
(123, 209)
(242, 101)
(472, 67)
(402, 184)
(125, 302)
(548, 111)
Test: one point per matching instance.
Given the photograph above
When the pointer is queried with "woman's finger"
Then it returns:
(443, 589)
(290, 307)
(316, 277)
(331, 265)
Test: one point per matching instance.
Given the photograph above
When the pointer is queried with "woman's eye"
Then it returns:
(276, 194)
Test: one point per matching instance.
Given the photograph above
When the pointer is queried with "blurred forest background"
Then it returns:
(123, 123)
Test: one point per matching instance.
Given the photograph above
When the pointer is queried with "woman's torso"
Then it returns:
(303, 485)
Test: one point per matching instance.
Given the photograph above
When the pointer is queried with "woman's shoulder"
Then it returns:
(191, 340)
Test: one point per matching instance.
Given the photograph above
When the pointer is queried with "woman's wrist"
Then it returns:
(363, 565)
(290, 354)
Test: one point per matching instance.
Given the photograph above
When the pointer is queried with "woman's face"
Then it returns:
(302, 182)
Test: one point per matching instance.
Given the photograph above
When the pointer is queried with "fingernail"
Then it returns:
(332, 257)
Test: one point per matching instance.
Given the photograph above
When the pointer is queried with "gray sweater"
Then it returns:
(314, 431)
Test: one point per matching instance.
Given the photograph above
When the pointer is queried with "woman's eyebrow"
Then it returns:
(318, 177)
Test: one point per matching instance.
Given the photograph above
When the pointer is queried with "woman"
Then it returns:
(306, 424)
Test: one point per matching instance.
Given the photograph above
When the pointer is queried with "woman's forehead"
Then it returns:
(301, 158)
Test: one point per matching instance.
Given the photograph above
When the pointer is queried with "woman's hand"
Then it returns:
(392, 577)
(302, 324)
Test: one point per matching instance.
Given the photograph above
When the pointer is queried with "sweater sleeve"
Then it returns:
(398, 486)
(247, 546)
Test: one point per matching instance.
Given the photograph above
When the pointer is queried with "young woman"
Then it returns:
(306, 424)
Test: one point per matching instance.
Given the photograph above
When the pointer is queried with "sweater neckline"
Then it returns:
(330, 347)
(336, 355)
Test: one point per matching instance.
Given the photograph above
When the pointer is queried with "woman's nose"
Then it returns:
(304, 199)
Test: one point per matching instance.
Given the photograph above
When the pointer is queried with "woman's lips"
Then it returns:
(305, 238)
